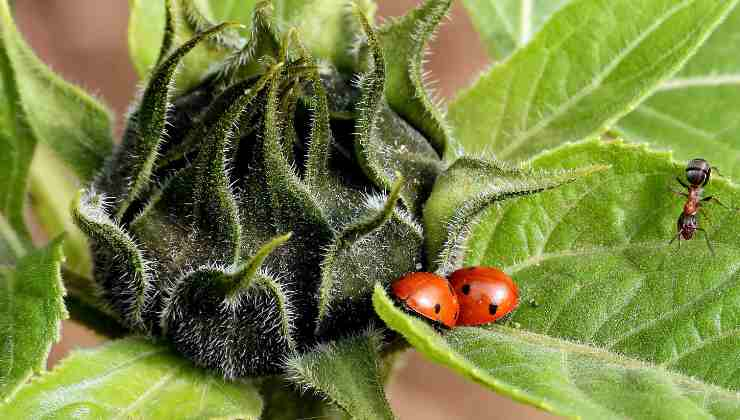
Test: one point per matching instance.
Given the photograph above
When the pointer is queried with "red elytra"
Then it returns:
(428, 295)
(485, 294)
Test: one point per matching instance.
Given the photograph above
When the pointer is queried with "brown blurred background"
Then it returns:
(85, 41)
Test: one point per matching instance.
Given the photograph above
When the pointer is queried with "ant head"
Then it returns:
(698, 172)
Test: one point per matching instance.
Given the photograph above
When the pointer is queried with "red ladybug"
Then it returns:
(485, 294)
(428, 295)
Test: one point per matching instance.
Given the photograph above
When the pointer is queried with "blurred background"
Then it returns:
(86, 42)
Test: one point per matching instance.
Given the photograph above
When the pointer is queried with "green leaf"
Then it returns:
(612, 322)
(74, 125)
(31, 311)
(595, 256)
(11, 247)
(596, 274)
(697, 113)
(17, 144)
(469, 187)
(52, 187)
(591, 63)
(132, 378)
(559, 376)
(506, 25)
(348, 372)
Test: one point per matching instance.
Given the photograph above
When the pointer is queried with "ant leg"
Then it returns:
(705, 214)
(671, 190)
(683, 184)
(716, 200)
(709, 243)
(678, 236)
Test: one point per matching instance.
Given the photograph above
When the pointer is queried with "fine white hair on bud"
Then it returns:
(249, 217)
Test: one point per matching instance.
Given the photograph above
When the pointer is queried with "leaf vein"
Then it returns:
(595, 82)
(678, 309)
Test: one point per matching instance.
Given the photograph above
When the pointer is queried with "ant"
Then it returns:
(698, 172)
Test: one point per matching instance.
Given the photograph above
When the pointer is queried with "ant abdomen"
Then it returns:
(687, 225)
(698, 172)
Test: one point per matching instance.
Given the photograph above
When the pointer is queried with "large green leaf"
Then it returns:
(31, 310)
(562, 377)
(697, 113)
(591, 63)
(612, 321)
(132, 378)
(74, 125)
(505, 25)
(348, 372)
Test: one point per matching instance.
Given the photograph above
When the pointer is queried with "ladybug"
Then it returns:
(485, 294)
(429, 295)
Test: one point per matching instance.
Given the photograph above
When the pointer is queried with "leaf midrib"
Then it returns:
(709, 80)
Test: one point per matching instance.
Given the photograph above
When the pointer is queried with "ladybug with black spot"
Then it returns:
(485, 294)
(428, 295)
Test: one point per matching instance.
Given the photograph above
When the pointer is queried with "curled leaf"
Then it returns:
(469, 187)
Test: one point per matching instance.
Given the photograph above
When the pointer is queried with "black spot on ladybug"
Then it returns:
(437, 308)
(492, 309)
(466, 289)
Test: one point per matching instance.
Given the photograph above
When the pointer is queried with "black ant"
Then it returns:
(698, 173)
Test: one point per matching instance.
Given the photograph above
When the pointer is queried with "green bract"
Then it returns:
(284, 163)
(249, 217)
